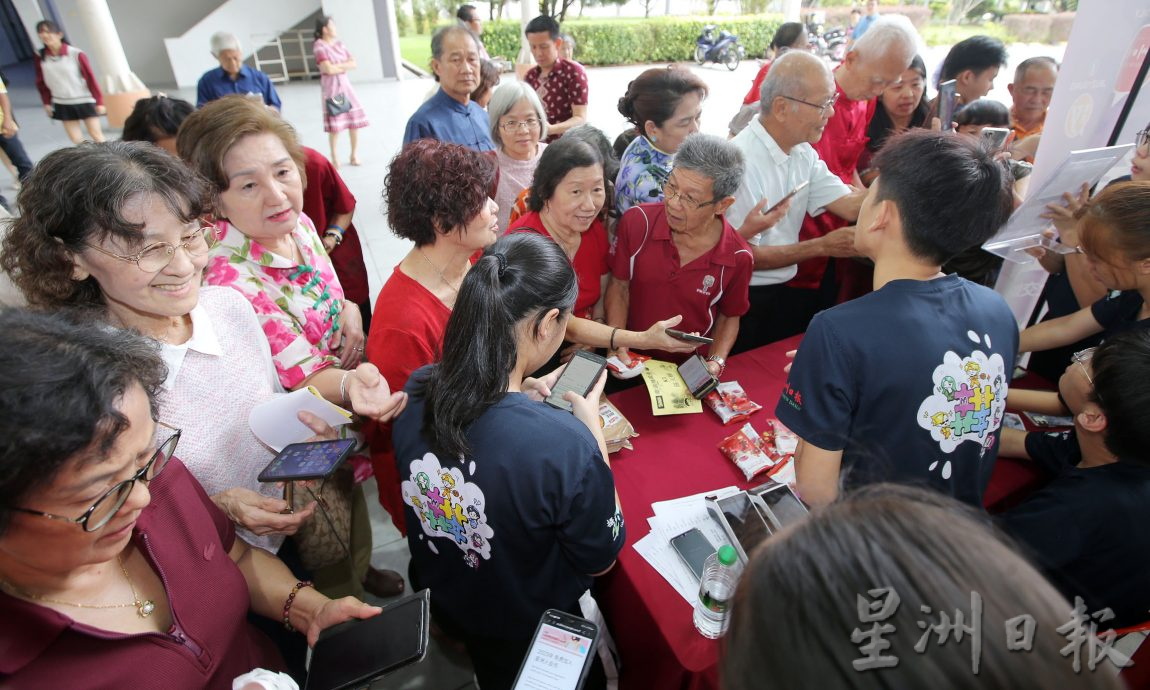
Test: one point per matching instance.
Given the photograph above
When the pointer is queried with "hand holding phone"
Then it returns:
(560, 654)
(310, 460)
(997, 137)
(580, 376)
(798, 188)
(690, 337)
(947, 103)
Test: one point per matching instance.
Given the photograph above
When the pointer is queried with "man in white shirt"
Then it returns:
(797, 100)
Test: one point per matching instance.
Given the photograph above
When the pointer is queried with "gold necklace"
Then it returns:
(441, 276)
(143, 608)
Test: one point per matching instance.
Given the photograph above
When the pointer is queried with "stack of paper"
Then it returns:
(671, 519)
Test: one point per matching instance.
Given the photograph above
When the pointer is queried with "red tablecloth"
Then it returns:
(676, 456)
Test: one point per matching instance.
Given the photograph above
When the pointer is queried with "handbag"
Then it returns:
(336, 105)
(325, 539)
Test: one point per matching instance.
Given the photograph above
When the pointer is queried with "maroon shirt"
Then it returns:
(324, 198)
(715, 283)
(590, 262)
(186, 539)
(564, 87)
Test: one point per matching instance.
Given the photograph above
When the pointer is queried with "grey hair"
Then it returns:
(441, 35)
(222, 40)
(788, 76)
(888, 33)
(506, 97)
(714, 158)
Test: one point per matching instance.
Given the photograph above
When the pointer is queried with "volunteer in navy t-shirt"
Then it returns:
(516, 527)
(909, 382)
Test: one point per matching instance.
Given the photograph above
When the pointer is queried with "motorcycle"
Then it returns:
(830, 44)
(723, 50)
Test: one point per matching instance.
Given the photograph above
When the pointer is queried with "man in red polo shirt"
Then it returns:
(876, 61)
(681, 256)
(560, 83)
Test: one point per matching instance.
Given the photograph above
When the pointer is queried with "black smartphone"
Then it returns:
(311, 460)
(560, 654)
(783, 506)
(580, 375)
(741, 521)
(697, 377)
(947, 102)
(352, 654)
(801, 186)
(694, 548)
(690, 337)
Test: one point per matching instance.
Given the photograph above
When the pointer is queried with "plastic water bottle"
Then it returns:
(716, 589)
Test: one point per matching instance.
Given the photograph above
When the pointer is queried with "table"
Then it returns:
(676, 456)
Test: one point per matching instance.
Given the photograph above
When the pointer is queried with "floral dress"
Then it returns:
(642, 172)
(298, 306)
(332, 85)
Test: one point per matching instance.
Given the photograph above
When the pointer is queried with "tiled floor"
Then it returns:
(389, 105)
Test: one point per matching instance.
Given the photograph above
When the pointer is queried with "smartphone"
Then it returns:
(697, 377)
(353, 654)
(674, 333)
(796, 190)
(947, 100)
(694, 548)
(996, 137)
(311, 460)
(560, 654)
(740, 520)
(580, 375)
(783, 507)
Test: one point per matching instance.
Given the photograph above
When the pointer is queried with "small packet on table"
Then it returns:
(617, 431)
(785, 441)
(731, 403)
(746, 449)
(621, 371)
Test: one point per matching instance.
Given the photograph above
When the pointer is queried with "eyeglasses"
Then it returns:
(512, 126)
(829, 103)
(109, 504)
(1082, 357)
(671, 193)
(1142, 140)
(156, 257)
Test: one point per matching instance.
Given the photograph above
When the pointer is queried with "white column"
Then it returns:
(528, 10)
(106, 48)
(30, 14)
(387, 32)
(792, 9)
(356, 22)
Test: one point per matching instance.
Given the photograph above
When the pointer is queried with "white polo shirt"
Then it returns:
(772, 173)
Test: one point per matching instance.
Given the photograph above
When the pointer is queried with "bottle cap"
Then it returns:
(727, 554)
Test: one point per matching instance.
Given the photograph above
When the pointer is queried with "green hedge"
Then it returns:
(629, 41)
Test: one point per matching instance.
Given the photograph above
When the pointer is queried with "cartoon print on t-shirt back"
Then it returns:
(448, 506)
(967, 400)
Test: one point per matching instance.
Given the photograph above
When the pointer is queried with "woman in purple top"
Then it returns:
(116, 569)
(334, 62)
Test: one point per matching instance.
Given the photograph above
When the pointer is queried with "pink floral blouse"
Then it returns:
(298, 305)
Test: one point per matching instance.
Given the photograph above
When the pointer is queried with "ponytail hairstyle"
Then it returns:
(521, 276)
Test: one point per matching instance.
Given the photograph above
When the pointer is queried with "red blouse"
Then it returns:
(590, 259)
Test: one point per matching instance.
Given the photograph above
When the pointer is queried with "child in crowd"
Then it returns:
(983, 113)
(908, 383)
(1102, 469)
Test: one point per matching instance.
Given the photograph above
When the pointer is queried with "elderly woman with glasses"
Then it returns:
(681, 255)
(116, 569)
(518, 127)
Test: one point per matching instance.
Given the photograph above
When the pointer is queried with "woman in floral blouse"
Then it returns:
(269, 251)
(665, 104)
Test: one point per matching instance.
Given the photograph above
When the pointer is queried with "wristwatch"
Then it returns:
(720, 361)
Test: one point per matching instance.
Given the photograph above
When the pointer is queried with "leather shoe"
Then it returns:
(383, 583)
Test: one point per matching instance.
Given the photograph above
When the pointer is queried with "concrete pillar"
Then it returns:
(387, 34)
(355, 20)
(528, 10)
(792, 9)
(30, 15)
(121, 87)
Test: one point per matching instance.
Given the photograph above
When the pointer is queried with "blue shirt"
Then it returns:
(446, 119)
(909, 382)
(515, 527)
(216, 84)
(864, 23)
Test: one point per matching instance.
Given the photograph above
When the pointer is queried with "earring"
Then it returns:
(652, 138)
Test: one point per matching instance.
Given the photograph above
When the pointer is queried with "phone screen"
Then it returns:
(785, 505)
(745, 521)
(694, 548)
(351, 654)
(579, 376)
(947, 100)
(557, 656)
(310, 460)
(695, 374)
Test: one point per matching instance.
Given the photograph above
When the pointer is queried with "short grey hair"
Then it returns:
(506, 97)
(441, 35)
(222, 40)
(714, 158)
(789, 75)
(888, 33)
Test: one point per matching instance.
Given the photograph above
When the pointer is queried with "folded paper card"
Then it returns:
(276, 422)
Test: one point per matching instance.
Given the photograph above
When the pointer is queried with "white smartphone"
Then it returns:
(996, 136)
(560, 655)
